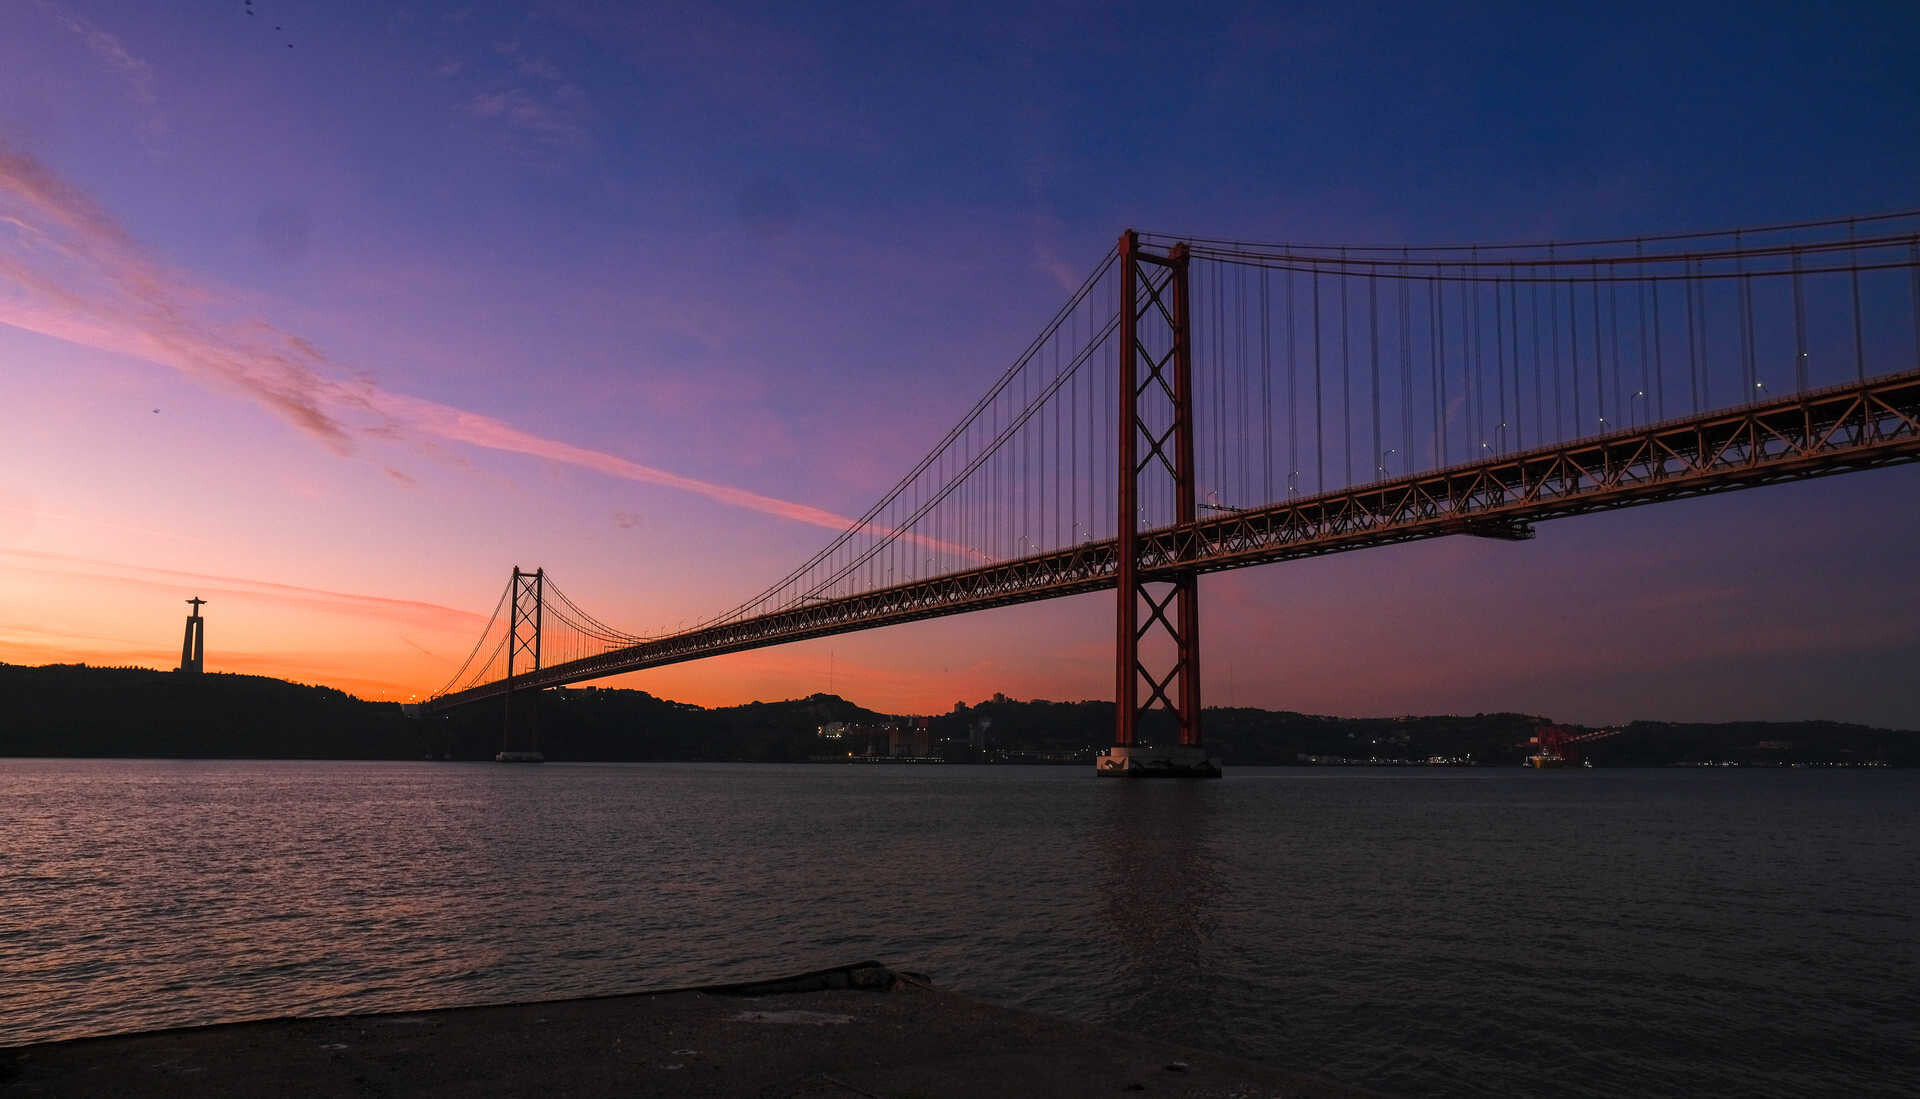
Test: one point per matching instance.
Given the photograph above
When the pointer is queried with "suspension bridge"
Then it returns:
(1204, 404)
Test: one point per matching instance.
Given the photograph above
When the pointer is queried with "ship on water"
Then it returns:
(1547, 759)
(1556, 745)
(1142, 761)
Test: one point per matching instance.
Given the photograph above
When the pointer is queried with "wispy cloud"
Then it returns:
(460, 425)
(1064, 274)
(551, 120)
(541, 110)
(407, 610)
(76, 275)
(541, 68)
(110, 50)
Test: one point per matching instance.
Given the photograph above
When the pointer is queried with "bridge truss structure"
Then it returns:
(1202, 405)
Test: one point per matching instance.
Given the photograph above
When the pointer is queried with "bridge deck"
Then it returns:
(1849, 427)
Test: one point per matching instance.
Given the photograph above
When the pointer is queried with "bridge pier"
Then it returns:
(1156, 415)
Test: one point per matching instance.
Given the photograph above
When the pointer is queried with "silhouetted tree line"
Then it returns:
(75, 710)
(616, 725)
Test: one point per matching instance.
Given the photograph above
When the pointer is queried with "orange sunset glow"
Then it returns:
(261, 348)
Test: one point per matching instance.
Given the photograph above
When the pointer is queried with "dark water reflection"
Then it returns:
(1426, 932)
(1160, 895)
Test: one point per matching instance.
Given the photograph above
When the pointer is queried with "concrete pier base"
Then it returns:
(1138, 761)
(854, 1031)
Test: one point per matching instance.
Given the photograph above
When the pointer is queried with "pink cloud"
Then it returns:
(479, 430)
(79, 277)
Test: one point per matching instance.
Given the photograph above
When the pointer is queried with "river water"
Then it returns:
(1436, 932)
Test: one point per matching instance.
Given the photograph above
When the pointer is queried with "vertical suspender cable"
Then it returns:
(1500, 367)
(1533, 332)
(1404, 288)
(1220, 374)
(1110, 443)
(1110, 440)
(1293, 400)
(1470, 359)
(1706, 358)
(1513, 356)
(1440, 406)
(1559, 405)
(1799, 328)
(1346, 381)
(1245, 489)
(1373, 352)
(1093, 385)
(1613, 340)
(1573, 349)
(1599, 356)
(1693, 354)
(1266, 389)
(1640, 286)
(1319, 419)
(1223, 366)
(1859, 345)
(1743, 305)
(1097, 408)
(1025, 458)
(1913, 279)
(1433, 364)
(1659, 365)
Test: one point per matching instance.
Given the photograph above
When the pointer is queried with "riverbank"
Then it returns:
(73, 711)
(854, 1031)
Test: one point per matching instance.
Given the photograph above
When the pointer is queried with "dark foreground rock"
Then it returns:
(854, 1031)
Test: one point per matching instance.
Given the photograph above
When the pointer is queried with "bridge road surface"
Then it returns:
(872, 1035)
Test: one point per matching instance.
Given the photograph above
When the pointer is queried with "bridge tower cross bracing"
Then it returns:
(1155, 449)
(526, 598)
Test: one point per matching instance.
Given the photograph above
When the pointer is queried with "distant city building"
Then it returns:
(914, 740)
(859, 739)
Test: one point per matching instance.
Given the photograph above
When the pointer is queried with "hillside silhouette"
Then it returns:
(77, 710)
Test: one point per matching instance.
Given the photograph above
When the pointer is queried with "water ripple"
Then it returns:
(1439, 933)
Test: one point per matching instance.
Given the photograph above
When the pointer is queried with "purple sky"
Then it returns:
(648, 295)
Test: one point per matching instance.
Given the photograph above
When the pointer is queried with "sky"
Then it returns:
(334, 312)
